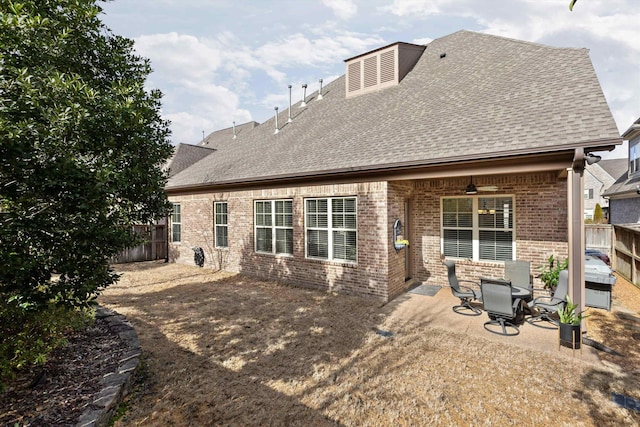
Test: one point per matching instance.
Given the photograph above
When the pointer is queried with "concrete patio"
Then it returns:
(436, 311)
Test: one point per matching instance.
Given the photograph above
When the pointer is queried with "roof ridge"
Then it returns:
(511, 39)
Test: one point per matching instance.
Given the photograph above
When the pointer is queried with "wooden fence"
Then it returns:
(626, 259)
(599, 236)
(154, 246)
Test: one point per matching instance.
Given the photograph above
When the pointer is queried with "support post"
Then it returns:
(575, 196)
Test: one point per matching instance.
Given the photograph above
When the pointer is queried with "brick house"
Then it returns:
(476, 143)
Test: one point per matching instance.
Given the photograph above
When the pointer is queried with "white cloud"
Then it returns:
(300, 50)
(183, 56)
(424, 40)
(343, 9)
(413, 7)
(213, 67)
(187, 126)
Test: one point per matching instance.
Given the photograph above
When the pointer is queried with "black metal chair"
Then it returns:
(502, 308)
(465, 293)
(545, 306)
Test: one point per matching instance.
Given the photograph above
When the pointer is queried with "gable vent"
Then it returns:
(371, 71)
(353, 76)
(387, 66)
(380, 68)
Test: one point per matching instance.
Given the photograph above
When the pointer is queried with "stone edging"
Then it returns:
(116, 385)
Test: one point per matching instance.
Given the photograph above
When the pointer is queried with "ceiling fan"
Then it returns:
(472, 189)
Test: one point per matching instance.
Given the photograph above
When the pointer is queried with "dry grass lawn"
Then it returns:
(223, 349)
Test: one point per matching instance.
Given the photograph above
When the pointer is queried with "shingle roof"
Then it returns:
(488, 96)
(184, 156)
(624, 185)
(614, 167)
(225, 136)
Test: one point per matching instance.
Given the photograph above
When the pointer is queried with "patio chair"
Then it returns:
(502, 308)
(548, 305)
(518, 273)
(465, 293)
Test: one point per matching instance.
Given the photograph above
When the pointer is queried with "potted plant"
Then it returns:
(570, 320)
(550, 272)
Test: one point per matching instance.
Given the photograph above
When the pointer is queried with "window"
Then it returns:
(274, 226)
(478, 228)
(221, 224)
(634, 158)
(588, 193)
(176, 233)
(331, 229)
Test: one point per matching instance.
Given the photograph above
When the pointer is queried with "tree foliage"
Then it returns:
(598, 216)
(81, 148)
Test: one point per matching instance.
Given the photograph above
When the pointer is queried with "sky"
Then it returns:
(220, 61)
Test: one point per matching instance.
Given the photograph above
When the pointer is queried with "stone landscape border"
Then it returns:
(115, 385)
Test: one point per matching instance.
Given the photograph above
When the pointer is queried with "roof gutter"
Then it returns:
(394, 172)
(632, 132)
(398, 167)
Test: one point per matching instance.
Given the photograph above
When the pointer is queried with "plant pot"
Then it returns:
(570, 335)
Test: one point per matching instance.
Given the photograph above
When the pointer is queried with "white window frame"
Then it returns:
(217, 224)
(634, 157)
(330, 229)
(588, 193)
(273, 226)
(475, 228)
(176, 220)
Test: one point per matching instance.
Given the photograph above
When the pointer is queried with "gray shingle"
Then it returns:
(184, 156)
(489, 96)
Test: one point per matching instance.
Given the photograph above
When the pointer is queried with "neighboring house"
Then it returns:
(476, 143)
(624, 194)
(598, 177)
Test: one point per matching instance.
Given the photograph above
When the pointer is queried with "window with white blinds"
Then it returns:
(176, 223)
(331, 228)
(478, 228)
(221, 224)
(274, 226)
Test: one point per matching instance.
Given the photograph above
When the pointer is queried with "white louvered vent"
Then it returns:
(387, 66)
(371, 71)
(380, 68)
(354, 76)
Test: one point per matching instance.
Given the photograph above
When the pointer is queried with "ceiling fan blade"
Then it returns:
(488, 188)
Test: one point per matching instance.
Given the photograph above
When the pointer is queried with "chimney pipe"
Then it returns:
(320, 91)
(289, 120)
(304, 96)
(234, 130)
(277, 130)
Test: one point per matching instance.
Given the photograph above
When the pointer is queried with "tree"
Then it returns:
(597, 214)
(81, 148)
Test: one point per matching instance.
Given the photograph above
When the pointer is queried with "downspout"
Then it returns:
(575, 193)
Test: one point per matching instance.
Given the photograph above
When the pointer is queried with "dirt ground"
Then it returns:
(224, 349)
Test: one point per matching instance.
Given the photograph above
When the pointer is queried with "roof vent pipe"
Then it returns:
(289, 119)
(304, 95)
(234, 130)
(277, 130)
(320, 91)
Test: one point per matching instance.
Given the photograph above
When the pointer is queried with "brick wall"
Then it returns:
(368, 277)
(540, 223)
(540, 227)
